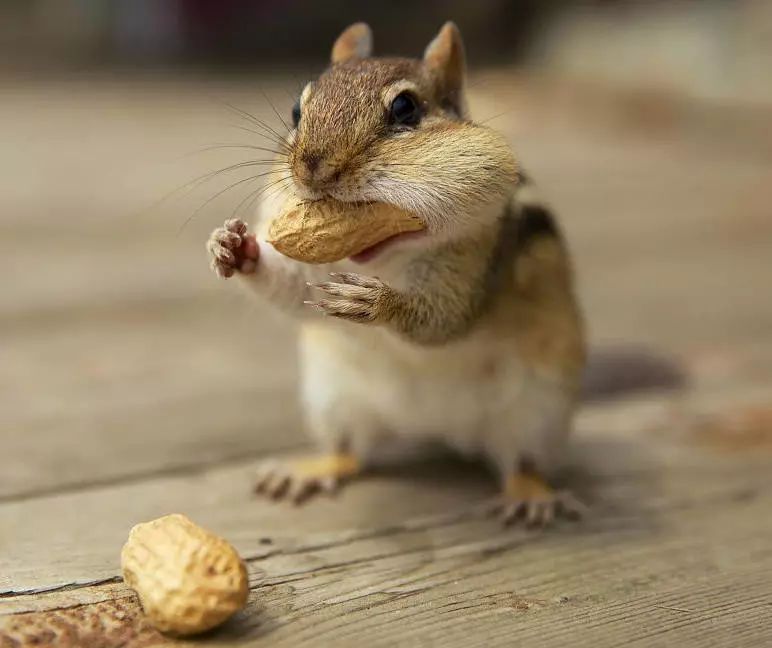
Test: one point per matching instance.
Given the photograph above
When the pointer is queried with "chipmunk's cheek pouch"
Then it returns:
(326, 231)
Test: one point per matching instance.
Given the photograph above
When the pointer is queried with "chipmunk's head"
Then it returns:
(396, 131)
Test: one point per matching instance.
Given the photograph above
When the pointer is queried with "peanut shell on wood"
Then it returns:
(188, 579)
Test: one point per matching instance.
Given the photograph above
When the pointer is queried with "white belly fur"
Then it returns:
(361, 383)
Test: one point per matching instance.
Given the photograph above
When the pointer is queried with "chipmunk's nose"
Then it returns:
(314, 170)
(311, 160)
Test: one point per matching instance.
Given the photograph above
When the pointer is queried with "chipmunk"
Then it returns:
(469, 332)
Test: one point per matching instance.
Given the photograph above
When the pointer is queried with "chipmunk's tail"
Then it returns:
(620, 370)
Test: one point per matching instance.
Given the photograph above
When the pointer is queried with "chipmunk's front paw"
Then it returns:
(529, 497)
(355, 298)
(231, 249)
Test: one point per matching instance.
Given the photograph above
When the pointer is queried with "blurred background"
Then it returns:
(647, 125)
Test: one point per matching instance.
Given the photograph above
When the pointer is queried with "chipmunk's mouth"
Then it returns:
(373, 251)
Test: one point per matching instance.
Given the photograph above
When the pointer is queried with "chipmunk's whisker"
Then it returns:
(202, 179)
(268, 131)
(279, 186)
(217, 147)
(252, 196)
(420, 165)
(239, 165)
(501, 114)
(276, 112)
(279, 190)
(274, 140)
(262, 192)
(220, 193)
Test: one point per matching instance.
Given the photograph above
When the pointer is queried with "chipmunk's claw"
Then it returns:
(528, 497)
(298, 479)
(232, 249)
(356, 298)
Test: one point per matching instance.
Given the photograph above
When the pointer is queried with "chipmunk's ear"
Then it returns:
(444, 59)
(355, 42)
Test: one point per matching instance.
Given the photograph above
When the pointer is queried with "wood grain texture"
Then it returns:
(677, 554)
(134, 384)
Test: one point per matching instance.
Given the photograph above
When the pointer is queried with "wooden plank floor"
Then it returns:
(134, 384)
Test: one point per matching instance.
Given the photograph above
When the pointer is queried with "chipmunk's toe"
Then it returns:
(354, 297)
(298, 479)
(529, 498)
(232, 249)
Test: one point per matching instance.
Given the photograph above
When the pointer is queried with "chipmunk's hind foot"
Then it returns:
(528, 497)
(298, 479)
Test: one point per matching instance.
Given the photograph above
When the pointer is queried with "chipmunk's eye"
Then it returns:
(296, 114)
(405, 110)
